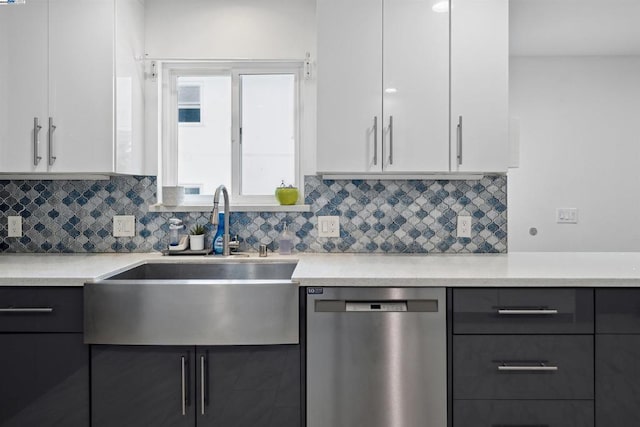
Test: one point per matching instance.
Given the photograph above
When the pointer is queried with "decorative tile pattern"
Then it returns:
(375, 216)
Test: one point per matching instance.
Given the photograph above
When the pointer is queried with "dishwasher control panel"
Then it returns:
(376, 306)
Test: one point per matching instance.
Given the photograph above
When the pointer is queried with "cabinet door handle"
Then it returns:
(184, 385)
(459, 140)
(52, 128)
(36, 141)
(203, 385)
(390, 140)
(375, 140)
(519, 425)
(541, 367)
(23, 310)
(525, 311)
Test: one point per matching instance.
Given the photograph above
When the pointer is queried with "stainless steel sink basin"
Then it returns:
(215, 303)
(213, 271)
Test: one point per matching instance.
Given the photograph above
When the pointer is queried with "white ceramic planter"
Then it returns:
(196, 243)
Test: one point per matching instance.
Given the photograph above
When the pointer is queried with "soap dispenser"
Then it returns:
(285, 241)
(175, 225)
(218, 239)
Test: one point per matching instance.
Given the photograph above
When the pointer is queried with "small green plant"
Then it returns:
(197, 230)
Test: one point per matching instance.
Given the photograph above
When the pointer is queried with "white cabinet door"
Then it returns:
(479, 85)
(129, 123)
(23, 86)
(349, 85)
(416, 88)
(81, 85)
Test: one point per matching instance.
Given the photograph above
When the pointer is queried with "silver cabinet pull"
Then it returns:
(527, 368)
(52, 128)
(375, 140)
(459, 140)
(36, 141)
(184, 385)
(519, 425)
(203, 388)
(525, 311)
(390, 140)
(26, 310)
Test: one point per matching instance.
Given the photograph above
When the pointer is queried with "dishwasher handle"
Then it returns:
(376, 306)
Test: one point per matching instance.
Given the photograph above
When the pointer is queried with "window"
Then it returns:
(188, 101)
(235, 124)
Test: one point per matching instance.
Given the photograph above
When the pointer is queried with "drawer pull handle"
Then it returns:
(520, 425)
(542, 367)
(525, 311)
(26, 310)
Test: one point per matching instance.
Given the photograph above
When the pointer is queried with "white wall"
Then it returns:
(579, 148)
(4, 72)
(234, 29)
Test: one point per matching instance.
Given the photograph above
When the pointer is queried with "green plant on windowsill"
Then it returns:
(197, 230)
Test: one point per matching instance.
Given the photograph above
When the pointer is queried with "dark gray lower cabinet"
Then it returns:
(513, 367)
(44, 380)
(524, 413)
(617, 380)
(226, 386)
(142, 386)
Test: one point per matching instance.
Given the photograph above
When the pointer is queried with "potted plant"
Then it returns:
(196, 237)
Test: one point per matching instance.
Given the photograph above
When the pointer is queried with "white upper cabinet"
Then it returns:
(391, 80)
(349, 85)
(81, 34)
(66, 78)
(479, 85)
(416, 93)
(23, 87)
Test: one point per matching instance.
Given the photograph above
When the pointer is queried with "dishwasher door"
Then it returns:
(376, 357)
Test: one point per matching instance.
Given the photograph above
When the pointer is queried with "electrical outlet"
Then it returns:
(14, 226)
(124, 226)
(464, 226)
(567, 216)
(328, 226)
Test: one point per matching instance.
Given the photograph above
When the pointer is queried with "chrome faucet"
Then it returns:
(226, 251)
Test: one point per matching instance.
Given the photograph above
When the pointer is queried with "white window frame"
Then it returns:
(168, 119)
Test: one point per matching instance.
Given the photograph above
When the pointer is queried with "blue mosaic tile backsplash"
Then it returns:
(401, 216)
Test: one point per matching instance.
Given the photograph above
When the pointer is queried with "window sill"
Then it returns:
(234, 208)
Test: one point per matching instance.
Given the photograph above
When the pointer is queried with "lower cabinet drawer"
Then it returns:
(522, 413)
(41, 309)
(523, 367)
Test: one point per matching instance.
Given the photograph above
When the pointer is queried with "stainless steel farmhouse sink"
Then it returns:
(215, 303)
(207, 271)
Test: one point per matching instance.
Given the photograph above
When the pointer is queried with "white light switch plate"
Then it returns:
(464, 226)
(567, 215)
(328, 226)
(14, 226)
(124, 226)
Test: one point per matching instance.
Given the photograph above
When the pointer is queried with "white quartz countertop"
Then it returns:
(514, 269)
(63, 270)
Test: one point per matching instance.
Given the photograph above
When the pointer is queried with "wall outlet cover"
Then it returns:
(328, 226)
(464, 226)
(124, 226)
(14, 226)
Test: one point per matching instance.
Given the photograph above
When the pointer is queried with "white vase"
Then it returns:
(196, 243)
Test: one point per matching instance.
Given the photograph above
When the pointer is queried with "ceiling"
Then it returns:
(574, 27)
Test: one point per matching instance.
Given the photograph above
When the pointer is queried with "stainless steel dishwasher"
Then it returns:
(376, 357)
